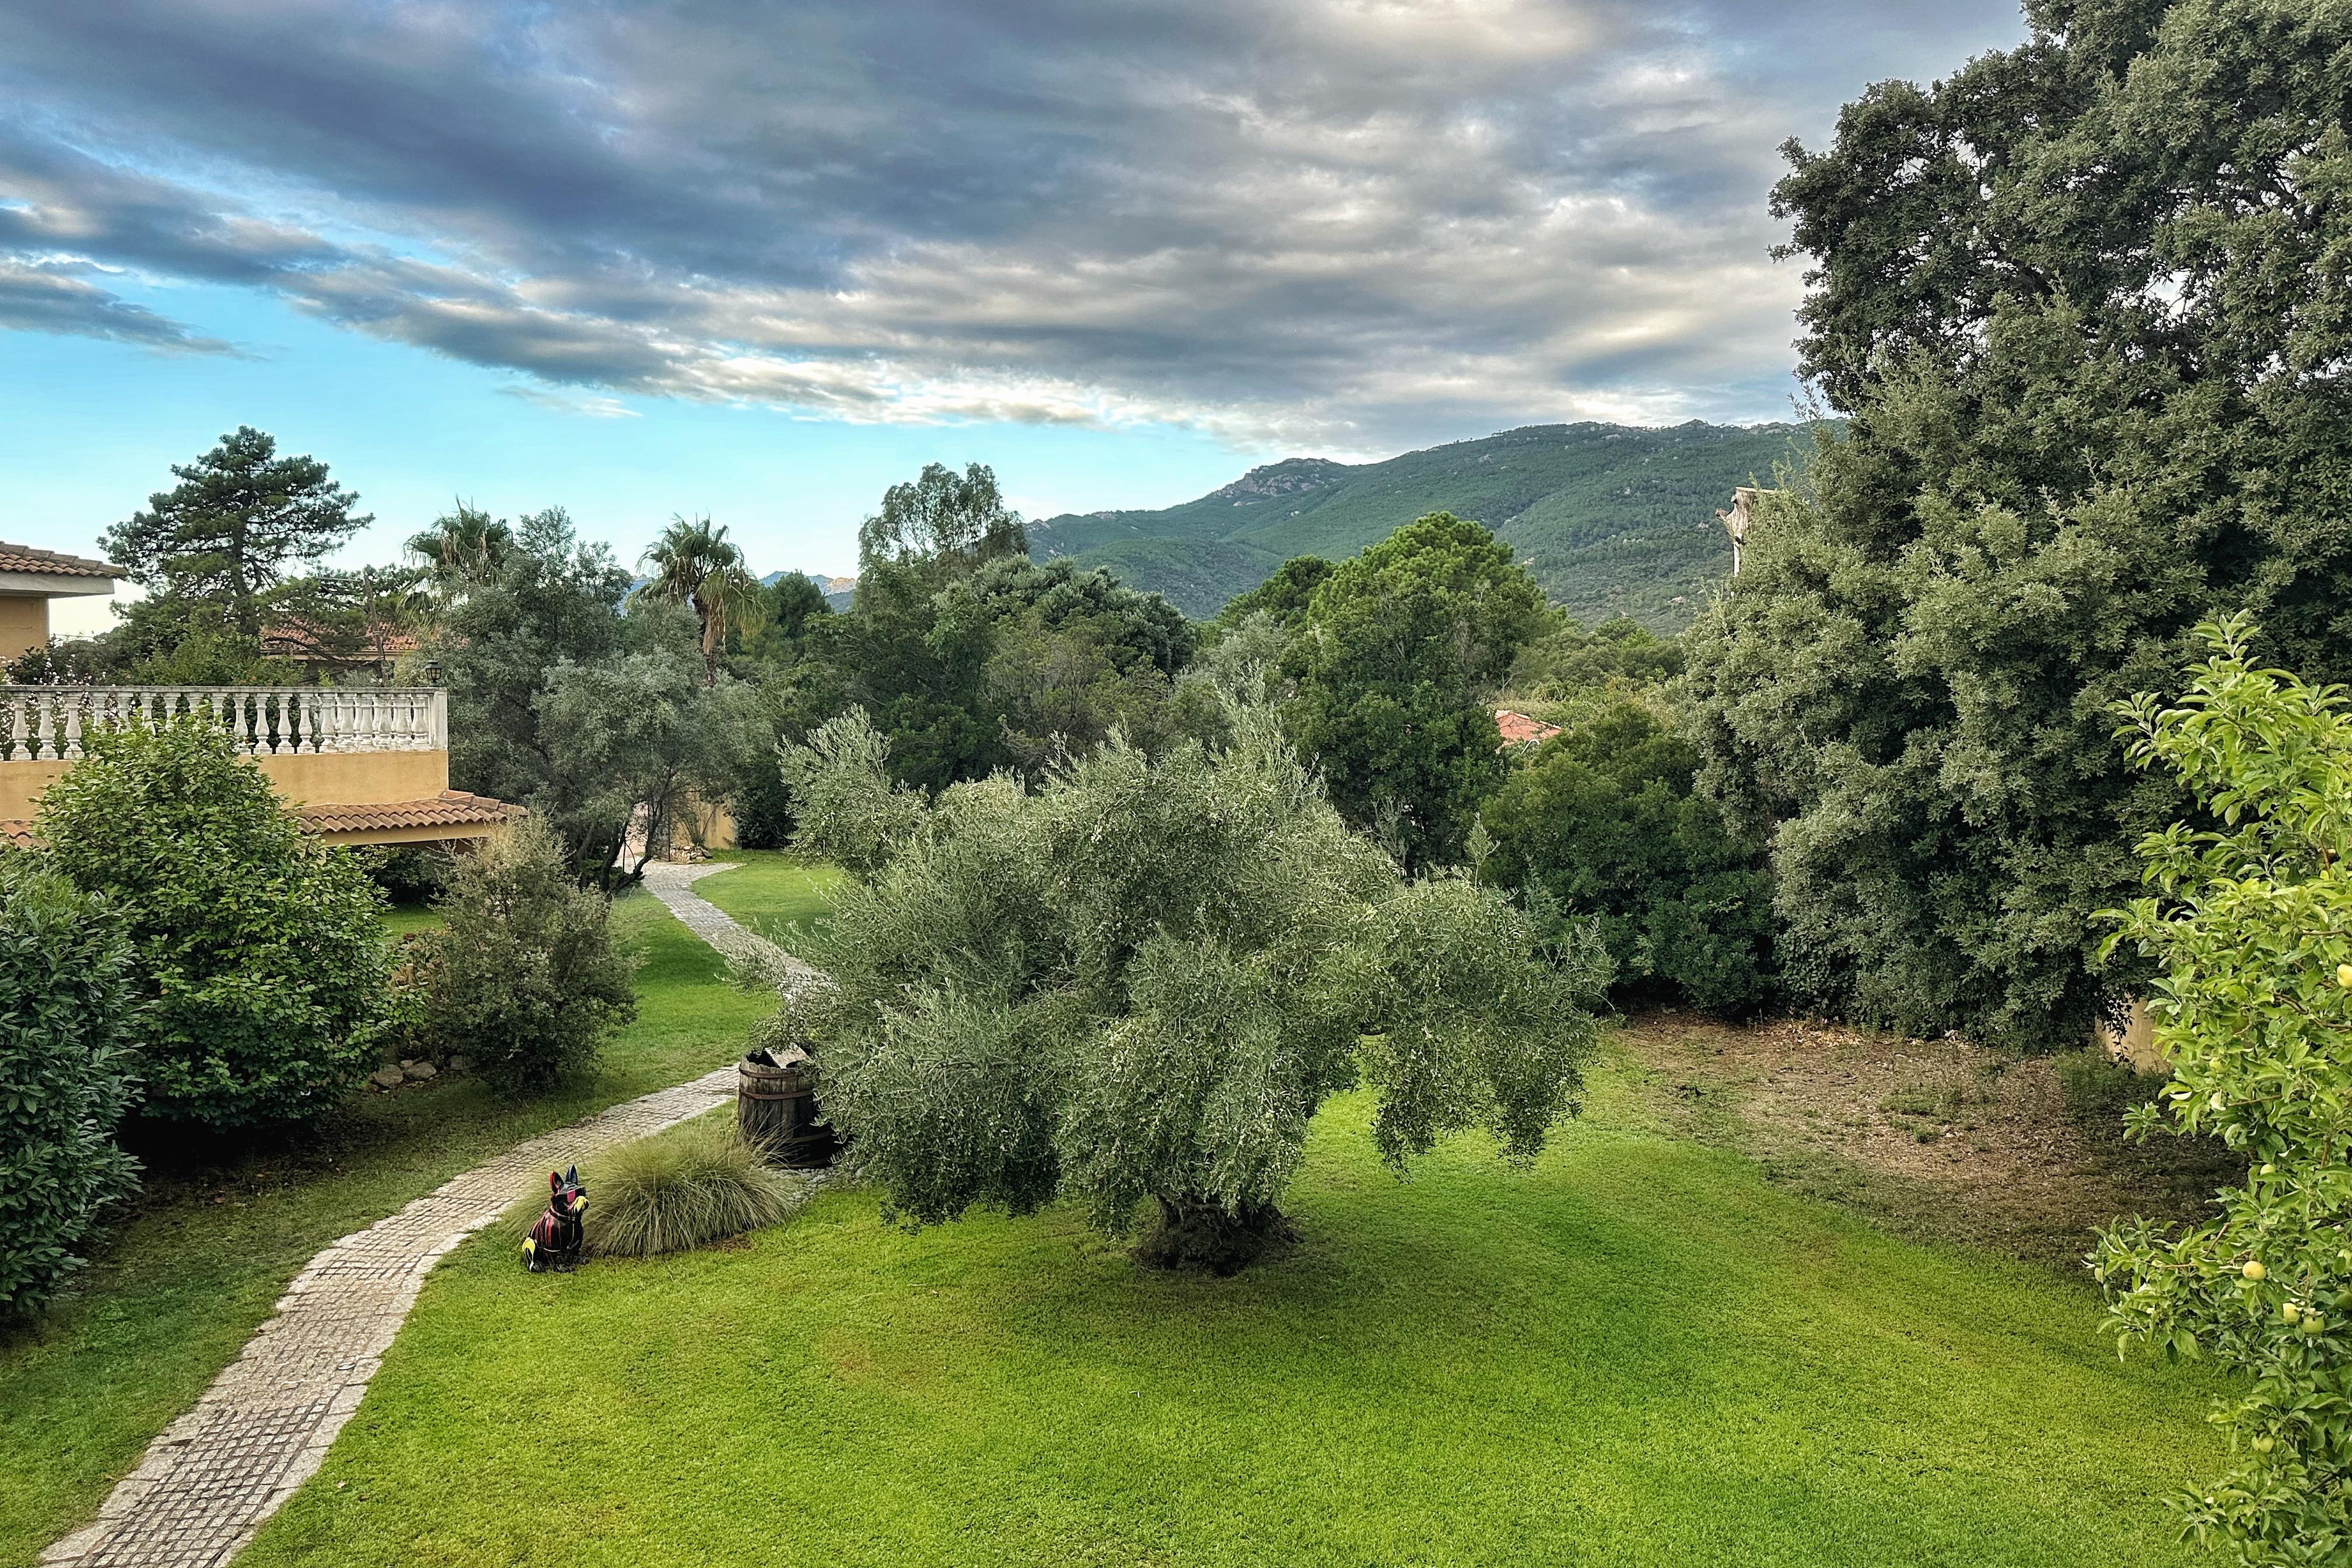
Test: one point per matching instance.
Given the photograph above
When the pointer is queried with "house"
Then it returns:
(29, 579)
(1519, 729)
(359, 764)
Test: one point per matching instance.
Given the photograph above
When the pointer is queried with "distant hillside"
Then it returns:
(838, 591)
(1610, 520)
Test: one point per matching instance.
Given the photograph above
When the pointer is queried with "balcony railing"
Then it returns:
(47, 723)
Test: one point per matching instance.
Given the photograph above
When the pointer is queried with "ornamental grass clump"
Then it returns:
(2250, 911)
(699, 1184)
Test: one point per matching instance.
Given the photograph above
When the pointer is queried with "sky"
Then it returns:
(759, 262)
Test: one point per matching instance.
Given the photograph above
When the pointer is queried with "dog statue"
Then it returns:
(554, 1238)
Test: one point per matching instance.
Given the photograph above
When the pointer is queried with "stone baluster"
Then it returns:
(72, 702)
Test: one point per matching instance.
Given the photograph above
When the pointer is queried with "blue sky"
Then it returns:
(760, 262)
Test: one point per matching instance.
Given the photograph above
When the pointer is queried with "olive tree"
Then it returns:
(2250, 912)
(1132, 988)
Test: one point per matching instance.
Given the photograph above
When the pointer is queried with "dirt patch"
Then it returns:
(1934, 1139)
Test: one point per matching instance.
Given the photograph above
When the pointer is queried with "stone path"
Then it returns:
(264, 1426)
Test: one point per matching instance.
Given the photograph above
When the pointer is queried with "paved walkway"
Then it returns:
(265, 1424)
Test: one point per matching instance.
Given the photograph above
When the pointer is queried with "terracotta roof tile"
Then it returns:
(24, 558)
(450, 808)
(1519, 729)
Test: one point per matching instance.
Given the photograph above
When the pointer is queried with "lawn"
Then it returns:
(1639, 1353)
(773, 891)
(210, 1248)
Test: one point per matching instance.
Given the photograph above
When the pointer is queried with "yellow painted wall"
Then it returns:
(318, 778)
(23, 623)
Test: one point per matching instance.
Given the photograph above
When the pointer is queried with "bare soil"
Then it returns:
(1933, 1139)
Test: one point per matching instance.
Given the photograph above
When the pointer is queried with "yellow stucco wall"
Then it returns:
(23, 623)
(322, 778)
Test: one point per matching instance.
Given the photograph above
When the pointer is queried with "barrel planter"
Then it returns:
(777, 1110)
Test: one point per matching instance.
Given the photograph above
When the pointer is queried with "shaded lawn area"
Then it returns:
(406, 919)
(182, 1285)
(773, 891)
(1640, 1352)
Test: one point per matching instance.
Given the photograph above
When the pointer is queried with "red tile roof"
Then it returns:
(1519, 729)
(24, 558)
(450, 808)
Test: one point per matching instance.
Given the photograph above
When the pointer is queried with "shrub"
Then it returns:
(1604, 824)
(522, 976)
(410, 872)
(68, 1019)
(2251, 916)
(259, 947)
(693, 1184)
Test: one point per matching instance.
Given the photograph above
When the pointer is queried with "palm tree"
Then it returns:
(464, 544)
(697, 566)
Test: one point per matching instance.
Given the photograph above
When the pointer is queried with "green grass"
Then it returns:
(773, 891)
(403, 920)
(182, 1285)
(1640, 1352)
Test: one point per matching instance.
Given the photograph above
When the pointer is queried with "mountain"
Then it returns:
(838, 591)
(1610, 519)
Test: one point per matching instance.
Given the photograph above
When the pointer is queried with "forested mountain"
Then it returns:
(1613, 519)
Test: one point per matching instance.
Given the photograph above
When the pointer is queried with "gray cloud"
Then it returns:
(36, 299)
(1350, 223)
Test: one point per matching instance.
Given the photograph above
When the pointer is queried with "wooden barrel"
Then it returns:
(776, 1107)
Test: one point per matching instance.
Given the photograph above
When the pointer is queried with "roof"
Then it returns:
(24, 558)
(1519, 729)
(450, 808)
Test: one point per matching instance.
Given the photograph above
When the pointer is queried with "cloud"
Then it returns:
(39, 299)
(1348, 223)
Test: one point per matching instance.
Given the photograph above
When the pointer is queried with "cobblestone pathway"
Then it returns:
(265, 1424)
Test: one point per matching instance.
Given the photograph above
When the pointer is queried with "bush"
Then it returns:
(68, 1021)
(410, 872)
(259, 947)
(1603, 824)
(522, 976)
(2251, 916)
(694, 1185)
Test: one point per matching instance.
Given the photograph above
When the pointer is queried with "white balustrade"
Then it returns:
(48, 724)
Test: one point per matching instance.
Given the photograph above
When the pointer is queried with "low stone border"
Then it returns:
(264, 1426)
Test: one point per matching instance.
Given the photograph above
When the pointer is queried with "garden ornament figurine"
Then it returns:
(554, 1238)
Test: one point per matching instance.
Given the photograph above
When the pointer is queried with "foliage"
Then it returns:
(941, 516)
(1570, 674)
(697, 566)
(1282, 596)
(851, 811)
(1134, 987)
(198, 1263)
(1603, 822)
(1402, 646)
(970, 666)
(1610, 520)
(2251, 915)
(684, 1188)
(69, 1021)
(461, 545)
(646, 727)
(240, 518)
(408, 872)
(522, 974)
(2074, 298)
(258, 949)
(559, 703)
(2099, 1087)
